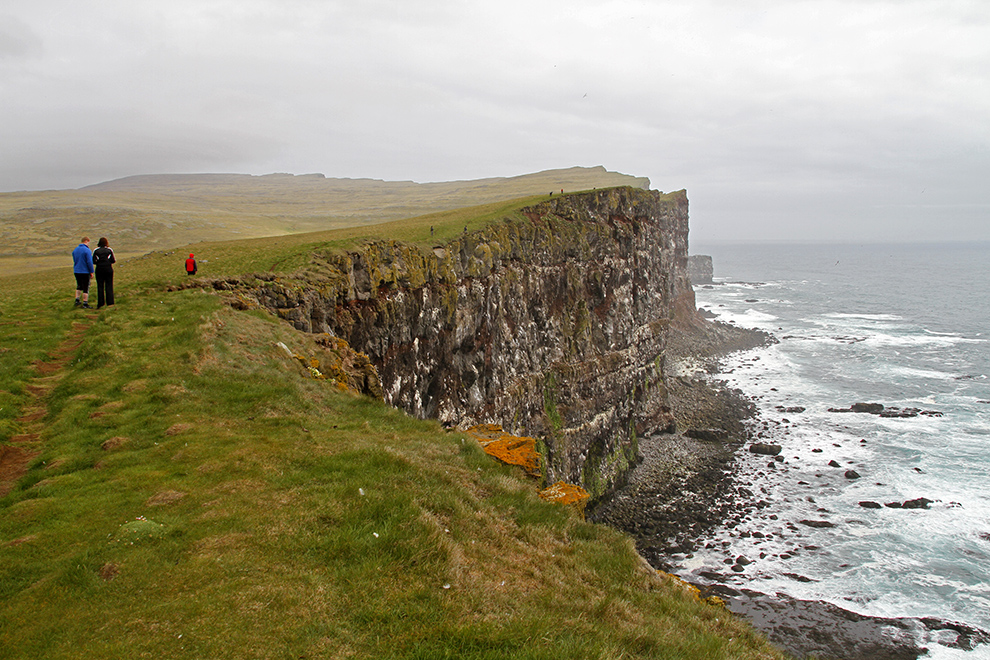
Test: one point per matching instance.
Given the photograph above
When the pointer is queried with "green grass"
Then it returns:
(197, 495)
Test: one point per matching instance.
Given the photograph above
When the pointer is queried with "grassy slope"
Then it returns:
(244, 510)
(160, 212)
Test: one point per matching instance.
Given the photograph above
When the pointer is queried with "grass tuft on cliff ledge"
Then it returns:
(176, 485)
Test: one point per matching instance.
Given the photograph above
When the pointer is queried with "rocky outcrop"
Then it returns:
(552, 323)
(700, 269)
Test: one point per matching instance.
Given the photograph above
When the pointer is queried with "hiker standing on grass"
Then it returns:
(190, 265)
(103, 261)
(82, 268)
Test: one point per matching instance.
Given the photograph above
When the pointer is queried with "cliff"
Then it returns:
(552, 323)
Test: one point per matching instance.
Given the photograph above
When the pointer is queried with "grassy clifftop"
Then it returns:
(177, 484)
(159, 212)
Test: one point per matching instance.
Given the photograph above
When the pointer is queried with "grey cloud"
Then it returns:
(17, 40)
(835, 111)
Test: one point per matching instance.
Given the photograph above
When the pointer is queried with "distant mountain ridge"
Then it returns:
(575, 178)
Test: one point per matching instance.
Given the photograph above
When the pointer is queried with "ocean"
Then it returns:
(905, 326)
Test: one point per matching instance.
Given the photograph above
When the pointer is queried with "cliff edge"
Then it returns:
(551, 322)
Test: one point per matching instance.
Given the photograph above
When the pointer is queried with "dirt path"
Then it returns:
(16, 455)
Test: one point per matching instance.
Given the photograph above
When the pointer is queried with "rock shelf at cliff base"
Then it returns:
(684, 487)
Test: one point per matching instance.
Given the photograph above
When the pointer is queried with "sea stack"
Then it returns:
(700, 269)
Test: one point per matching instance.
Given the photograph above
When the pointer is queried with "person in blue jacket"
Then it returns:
(82, 267)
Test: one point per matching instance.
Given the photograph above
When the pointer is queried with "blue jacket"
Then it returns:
(82, 259)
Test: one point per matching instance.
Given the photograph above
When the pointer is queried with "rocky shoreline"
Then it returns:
(685, 486)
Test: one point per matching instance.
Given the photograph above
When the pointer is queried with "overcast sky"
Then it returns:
(844, 120)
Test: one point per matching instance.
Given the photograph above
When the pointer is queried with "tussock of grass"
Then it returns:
(197, 494)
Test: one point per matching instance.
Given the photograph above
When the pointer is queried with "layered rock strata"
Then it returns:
(552, 323)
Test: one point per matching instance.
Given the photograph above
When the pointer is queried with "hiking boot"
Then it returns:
(86, 306)
(78, 303)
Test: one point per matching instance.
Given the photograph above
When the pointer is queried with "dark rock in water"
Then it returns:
(851, 474)
(919, 503)
(708, 435)
(870, 505)
(985, 536)
(899, 412)
(819, 629)
(817, 523)
(765, 448)
(799, 578)
(833, 464)
(752, 300)
(791, 409)
(888, 412)
(816, 451)
(706, 313)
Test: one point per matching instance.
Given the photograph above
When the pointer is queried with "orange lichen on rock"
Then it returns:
(692, 590)
(564, 493)
(486, 432)
(510, 449)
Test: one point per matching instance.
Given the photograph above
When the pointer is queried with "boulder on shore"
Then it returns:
(708, 435)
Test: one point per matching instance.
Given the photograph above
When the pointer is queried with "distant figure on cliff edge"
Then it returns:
(103, 261)
(82, 268)
(190, 265)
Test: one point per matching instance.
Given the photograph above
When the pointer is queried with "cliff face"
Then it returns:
(553, 325)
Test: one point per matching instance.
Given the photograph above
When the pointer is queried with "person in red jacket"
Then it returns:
(190, 265)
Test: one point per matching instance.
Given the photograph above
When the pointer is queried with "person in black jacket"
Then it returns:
(103, 261)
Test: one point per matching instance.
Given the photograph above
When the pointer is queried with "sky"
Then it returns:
(841, 120)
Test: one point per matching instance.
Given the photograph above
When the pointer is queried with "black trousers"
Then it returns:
(104, 287)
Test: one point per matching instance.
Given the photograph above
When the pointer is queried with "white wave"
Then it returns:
(939, 652)
(750, 318)
(866, 317)
(913, 372)
(888, 340)
(943, 334)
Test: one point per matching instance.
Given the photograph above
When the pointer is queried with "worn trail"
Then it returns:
(16, 455)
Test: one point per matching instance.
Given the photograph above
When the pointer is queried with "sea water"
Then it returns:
(907, 326)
